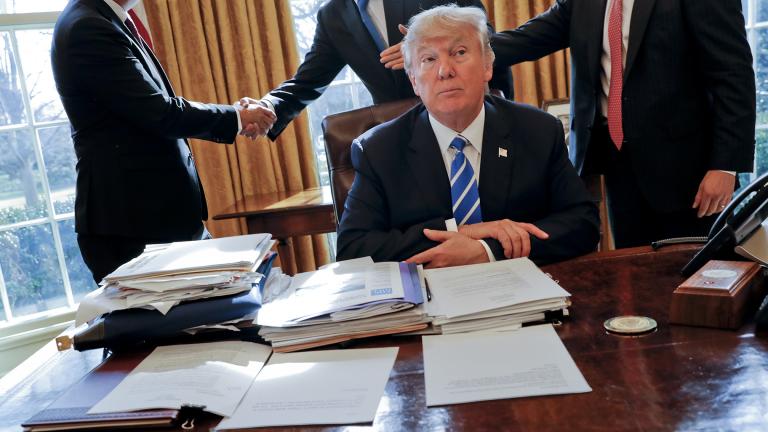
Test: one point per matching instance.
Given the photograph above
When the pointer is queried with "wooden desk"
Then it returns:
(678, 378)
(286, 214)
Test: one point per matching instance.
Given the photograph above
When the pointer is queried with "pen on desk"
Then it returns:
(429, 293)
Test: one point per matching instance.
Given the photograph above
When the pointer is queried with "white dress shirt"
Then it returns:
(474, 136)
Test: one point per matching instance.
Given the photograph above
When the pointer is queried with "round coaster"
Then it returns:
(630, 325)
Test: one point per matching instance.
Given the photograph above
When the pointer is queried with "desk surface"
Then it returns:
(677, 378)
(278, 202)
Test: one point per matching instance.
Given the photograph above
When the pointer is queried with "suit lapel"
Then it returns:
(641, 13)
(495, 168)
(394, 12)
(427, 165)
(145, 55)
(593, 26)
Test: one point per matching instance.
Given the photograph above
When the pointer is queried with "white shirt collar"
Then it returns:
(119, 11)
(473, 133)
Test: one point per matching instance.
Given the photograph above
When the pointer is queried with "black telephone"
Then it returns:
(736, 222)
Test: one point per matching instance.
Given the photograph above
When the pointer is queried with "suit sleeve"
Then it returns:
(112, 75)
(365, 229)
(320, 66)
(540, 36)
(725, 60)
(573, 222)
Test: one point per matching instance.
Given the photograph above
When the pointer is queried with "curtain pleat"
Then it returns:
(537, 81)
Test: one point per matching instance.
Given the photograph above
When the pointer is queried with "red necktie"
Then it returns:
(615, 127)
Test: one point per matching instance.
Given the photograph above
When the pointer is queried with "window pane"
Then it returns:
(761, 74)
(80, 278)
(26, 6)
(59, 155)
(35, 49)
(761, 152)
(762, 10)
(21, 190)
(31, 270)
(10, 85)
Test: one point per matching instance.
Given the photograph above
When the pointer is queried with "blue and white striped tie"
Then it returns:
(464, 192)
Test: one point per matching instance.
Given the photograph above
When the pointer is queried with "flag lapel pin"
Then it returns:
(502, 152)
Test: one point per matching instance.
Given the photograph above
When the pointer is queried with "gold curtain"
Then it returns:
(221, 50)
(537, 81)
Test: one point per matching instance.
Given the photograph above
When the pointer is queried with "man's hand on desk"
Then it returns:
(257, 118)
(454, 249)
(515, 237)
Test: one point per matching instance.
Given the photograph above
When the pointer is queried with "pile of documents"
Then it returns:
(165, 275)
(343, 301)
(495, 296)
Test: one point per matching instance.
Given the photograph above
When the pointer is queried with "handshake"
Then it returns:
(256, 117)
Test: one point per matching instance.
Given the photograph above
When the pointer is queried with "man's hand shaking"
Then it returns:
(256, 117)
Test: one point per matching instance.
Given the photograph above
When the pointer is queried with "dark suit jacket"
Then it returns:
(341, 39)
(689, 88)
(401, 186)
(135, 174)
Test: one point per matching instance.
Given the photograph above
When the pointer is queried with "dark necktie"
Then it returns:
(464, 192)
(362, 5)
(615, 44)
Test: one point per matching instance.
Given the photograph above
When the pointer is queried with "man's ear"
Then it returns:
(488, 72)
(413, 84)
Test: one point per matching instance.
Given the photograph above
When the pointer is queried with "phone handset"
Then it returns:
(738, 220)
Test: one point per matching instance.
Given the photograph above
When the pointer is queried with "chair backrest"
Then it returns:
(339, 130)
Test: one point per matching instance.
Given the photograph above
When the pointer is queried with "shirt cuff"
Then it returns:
(733, 173)
(267, 103)
(491, 258)
(239, 122)
(450, 225)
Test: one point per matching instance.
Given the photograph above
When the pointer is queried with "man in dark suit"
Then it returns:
(416, 175)
(343, 38)
(662, 103)
(136, 177)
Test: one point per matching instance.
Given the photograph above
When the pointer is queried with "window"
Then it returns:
(756, 16)
(41, 269)
(346, 92)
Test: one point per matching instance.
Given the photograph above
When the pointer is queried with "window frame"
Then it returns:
(13, 23)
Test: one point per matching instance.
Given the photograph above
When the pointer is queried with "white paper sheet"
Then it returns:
(473, 367)
(214, 376)
(317, 387)
(469, 289)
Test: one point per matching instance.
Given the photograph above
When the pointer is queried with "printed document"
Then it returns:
(472, 367)
(213, 376)
(470, 289)
(316, 387)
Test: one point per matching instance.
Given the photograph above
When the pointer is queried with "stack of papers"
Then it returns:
(495, 296)
(165, 275)
(340, 302)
